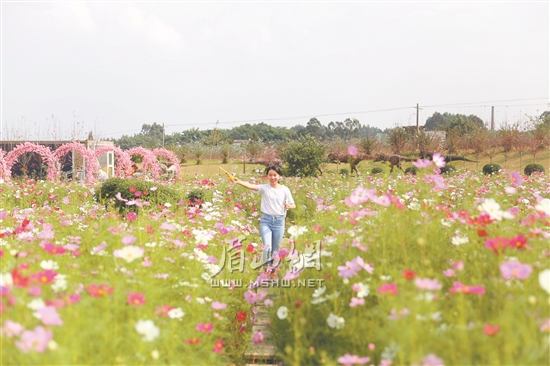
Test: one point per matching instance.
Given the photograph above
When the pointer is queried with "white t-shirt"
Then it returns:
(273, 199)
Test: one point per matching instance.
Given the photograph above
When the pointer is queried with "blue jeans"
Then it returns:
(272, 229)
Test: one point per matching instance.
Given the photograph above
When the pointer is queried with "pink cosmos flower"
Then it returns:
(251, 296)
(421, 163)
(459, 287)
(218, 346)
(135, 299)
(129, 240)
(514, 269)
(491, 330)
(437, 180)
(545, 326)
(12, 329)
(163, 310)
(258, 338)
(432, 360)
(356, 302)
(207, 327)
(427, 284)
(36, 340)
(352, 150)
(218, 305)
(439, 160)
(449, 273)
(131, 216)
(516, 179)
(35, 291)
(388, 289)
(349, 360)
(146, 262)
(49, 316)
(291, 275)
(349, 270)
(268, 302)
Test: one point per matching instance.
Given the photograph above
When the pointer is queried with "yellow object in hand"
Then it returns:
(228, 174)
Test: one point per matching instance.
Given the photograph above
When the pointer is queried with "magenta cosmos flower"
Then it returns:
(388, 289)
(514, 269)
(427, 284)
(459, 287)
(348, 360)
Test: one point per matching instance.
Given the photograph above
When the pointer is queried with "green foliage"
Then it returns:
(411, 170)
(448, 169)
(397, 139)
(344, 172)
(304, 157)
(533, 168)
(106, 194)
(198, 195)
(449, 121)
(489, 169)
(377, 170)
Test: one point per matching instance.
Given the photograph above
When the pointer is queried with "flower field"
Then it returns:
(422, 269)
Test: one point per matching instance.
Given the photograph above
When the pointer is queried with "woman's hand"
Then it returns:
(289, 205)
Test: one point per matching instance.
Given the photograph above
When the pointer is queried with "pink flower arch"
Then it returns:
(43, 151)
(149, 160)
(92, 165)
(124, 163)
(170, 156)
(4, 171)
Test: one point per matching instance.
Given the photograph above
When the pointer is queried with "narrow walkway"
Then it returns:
(264, 353)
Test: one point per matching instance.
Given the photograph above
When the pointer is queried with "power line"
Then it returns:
(296, 117)
(472, 104)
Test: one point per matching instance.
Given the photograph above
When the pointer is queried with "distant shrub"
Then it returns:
(128, 188)
(377, 170)
(411, 170)
(491, 169)
(197, 195)
(344, 172)
(448, 169)
(533, 168)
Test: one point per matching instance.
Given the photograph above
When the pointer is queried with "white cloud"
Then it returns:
(73, 15)
(151, 27)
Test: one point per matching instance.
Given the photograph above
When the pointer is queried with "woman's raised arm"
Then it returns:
(248, 185)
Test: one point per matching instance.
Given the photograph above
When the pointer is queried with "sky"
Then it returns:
(68, 68)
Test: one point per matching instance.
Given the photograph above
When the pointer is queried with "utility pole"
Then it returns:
(492, 118)
(163, 134)
(417, 118)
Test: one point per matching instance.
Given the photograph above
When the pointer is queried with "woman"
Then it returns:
(276, 200)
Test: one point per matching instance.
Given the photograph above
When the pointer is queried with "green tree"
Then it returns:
(304, 157)
(397, 139)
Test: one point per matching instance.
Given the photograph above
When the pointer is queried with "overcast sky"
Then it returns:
(110, 67)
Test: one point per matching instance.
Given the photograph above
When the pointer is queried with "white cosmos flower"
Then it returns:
(282, 312)
(335, 321)
(148, 330)
(543, 206)
(318, 300)
(176, 313)
(60, 283)
(458, 239)
(6, 279)
(295, 231)
(492, 208)
(36, 304)
(364, 290)
(129, 253)
(319, 291)
(49, 265)
(544, 280)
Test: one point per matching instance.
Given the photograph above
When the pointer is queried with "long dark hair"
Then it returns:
(275, 168)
